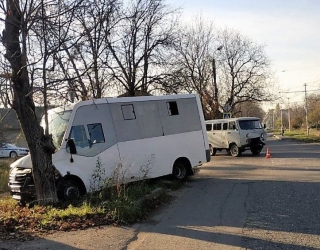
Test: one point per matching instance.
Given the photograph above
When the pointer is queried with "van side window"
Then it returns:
(172, 108)
(209, 127)
(232, 125)
(78, 134)
(96, 133)
(128, 112)
(217, 126)
(225, 126)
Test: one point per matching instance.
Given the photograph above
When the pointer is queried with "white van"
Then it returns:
(147, 136)
(236, 135)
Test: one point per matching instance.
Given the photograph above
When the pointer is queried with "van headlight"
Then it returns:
(262, 137)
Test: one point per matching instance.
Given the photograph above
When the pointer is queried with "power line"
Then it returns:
(285, 70)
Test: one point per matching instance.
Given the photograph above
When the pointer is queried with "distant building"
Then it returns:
(10, 129)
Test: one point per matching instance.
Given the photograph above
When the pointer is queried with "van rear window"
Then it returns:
(209, 127)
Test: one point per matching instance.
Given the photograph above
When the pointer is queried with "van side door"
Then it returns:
(214, 135)
(233, 133)
(225, 135)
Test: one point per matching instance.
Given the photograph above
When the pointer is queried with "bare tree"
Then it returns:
(314, 109)
(14, 38)
(136, 43)
(83, 51)
(249, 109)
(244, 70)
(193, 65)
(35, 32)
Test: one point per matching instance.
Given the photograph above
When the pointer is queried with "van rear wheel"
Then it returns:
(213, 151)
(235, 150)
(180, 170)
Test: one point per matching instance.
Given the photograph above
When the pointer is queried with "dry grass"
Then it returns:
(4, 175)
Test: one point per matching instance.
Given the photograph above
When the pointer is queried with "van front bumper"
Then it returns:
(254, 142)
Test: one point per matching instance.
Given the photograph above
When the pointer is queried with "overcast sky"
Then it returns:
(289, 29)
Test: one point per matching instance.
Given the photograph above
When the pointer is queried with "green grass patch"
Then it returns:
(121, 204)
(302, 135)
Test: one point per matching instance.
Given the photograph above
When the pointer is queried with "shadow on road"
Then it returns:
(279, 216)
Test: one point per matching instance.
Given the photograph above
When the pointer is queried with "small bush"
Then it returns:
(4, 175)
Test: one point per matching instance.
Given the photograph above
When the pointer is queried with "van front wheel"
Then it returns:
(256, 151)
(68, 190)
(235, 150)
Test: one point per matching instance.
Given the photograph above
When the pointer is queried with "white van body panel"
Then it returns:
(157, 164)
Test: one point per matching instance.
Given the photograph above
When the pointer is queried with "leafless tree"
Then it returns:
(14, 39)
(33, 35)
(249, 109)
(84, 55)
(192, 67)
(137, 44)
(243, 70)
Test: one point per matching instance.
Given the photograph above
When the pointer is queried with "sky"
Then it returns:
(289, 29)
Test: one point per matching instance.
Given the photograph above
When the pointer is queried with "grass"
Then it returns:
(115, 205)
(301, 135)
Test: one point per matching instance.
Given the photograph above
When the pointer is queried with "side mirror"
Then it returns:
(72, 146)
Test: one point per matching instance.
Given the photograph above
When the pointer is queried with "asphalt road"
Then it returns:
(247, 202)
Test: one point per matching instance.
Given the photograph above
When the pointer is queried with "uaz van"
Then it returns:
(236, 135)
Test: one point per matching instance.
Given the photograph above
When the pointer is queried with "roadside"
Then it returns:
(96, 237)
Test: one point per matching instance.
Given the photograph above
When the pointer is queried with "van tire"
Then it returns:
(235, 150)
(69, 190)
(180, 170)
(213, 151)
(13, 155)
(255, 151)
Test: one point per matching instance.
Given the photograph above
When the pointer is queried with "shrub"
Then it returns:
(4, 175)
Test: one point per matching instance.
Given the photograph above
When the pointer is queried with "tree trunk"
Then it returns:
(41, 146)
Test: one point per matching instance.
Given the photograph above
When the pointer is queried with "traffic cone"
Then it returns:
(268, 155)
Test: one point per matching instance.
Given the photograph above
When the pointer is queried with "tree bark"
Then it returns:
(41, 146)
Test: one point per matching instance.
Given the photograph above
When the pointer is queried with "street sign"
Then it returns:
(227, 108)
(226, 115)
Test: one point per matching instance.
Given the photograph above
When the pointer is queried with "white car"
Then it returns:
(12, 151)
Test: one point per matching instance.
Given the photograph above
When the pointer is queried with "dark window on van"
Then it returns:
(128, 112)
(172, 108)
(96, 133)
(209, 127)
(78, 134)
(232, 125)
(225, 126)
(217, 126)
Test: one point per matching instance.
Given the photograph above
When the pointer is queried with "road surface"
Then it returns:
(245, 202)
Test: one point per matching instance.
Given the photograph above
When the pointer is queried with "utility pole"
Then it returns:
(281, 117)
(289, 116)
(305, 94)
(215, 86)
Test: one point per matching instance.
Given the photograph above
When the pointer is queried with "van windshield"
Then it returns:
(58, 122)
(250, 124)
